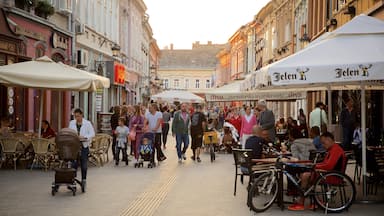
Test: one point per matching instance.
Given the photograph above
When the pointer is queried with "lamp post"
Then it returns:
(305, 40)
(116, 50)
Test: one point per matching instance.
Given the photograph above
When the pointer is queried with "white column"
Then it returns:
(364, 139)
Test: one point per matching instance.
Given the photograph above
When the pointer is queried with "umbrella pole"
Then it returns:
(329, 91)
(364, 140)
(41, 112)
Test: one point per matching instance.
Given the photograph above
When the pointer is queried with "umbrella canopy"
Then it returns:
(354, 52)
(175, 95)
(44, 73)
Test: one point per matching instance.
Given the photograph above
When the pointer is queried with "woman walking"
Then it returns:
(136, 124)
(165, 127)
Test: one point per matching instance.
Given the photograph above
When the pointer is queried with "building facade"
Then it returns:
(283, 34)
(27, 36)
(223, 70)
(96, 28)
(300, 32)
(238, 52)
(191, 70)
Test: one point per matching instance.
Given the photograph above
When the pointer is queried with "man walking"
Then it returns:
(318, 118)
(348, 119)
(266, 119)
(180, 127)
(153, 119)
(198, 124)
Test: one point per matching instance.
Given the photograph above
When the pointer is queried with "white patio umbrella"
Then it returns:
(352, 54)
(44, 73)
(177, 95)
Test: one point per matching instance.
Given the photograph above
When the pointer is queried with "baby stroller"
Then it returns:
(68, 147)
(146, 151)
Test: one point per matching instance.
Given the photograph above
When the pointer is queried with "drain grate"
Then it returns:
(147, 202)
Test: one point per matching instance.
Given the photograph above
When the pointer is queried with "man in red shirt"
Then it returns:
(335, 159)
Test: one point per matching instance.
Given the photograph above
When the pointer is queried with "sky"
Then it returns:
(182, 22)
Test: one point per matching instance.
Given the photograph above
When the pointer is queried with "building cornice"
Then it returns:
(37, 19)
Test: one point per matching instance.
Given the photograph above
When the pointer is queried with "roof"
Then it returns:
(196, 58)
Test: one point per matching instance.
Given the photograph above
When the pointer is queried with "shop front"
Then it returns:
(12, 50)
(35, 38)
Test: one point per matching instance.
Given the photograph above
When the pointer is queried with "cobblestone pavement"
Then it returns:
(170, 189)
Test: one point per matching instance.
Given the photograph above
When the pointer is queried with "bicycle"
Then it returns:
(333, 191)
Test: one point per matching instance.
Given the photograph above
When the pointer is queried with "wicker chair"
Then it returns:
(43, 155)
(106, 141)
(9, 146)
(95, 151)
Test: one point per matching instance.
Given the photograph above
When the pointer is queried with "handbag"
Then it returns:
(132, 134)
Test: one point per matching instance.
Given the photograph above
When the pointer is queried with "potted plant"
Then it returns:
(44, 9)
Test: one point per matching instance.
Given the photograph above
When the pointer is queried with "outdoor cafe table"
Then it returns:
(280, 195)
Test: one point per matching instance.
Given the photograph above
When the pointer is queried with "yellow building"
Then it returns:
(189, 69)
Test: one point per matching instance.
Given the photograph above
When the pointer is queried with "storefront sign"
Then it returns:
(29, 33)
(9, 47)
(119, 74)
(59, 41)
(256, 95)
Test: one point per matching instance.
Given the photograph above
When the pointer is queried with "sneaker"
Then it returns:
(198, 160)
(296, 207)
(180, 161)
(163, 158)
(185, 158)
(193, 158)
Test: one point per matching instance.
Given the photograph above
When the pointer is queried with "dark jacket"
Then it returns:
(256, 144)
(115, 121)
(178, 124)
(267, 122)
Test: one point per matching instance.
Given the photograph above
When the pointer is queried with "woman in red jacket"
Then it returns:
(235, 119)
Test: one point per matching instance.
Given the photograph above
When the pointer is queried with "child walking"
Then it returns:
(121, 132)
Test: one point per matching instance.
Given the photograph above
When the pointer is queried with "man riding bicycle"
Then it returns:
(335, 160)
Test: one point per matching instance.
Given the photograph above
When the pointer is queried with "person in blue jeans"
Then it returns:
(86, 133)
(180, 130)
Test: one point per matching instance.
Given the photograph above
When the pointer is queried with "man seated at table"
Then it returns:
(255, 142)
(300, 147)
(265, 136)
(335, 159)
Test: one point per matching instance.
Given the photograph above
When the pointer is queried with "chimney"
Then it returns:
(171, 46)
(196, 44)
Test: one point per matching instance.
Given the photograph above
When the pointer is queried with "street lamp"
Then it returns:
(115, 50)
(305, 39)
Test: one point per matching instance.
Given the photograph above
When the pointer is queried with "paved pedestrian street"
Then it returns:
(169, 189)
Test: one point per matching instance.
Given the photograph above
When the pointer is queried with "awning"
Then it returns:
(281, 94)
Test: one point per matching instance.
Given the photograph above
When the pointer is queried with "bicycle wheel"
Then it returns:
(263, 192)
(334, 191)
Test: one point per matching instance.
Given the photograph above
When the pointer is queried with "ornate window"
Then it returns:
(58, 57)
(40, 51)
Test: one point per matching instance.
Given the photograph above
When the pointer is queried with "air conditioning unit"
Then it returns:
(80, 28)
(82, 58)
